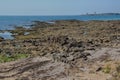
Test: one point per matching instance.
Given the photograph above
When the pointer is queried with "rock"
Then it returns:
(38, 68)
(74, 43)
(98, 69)
(91, 48)
(70, 58)
(1, 50)
(1, 39)
(59, 39)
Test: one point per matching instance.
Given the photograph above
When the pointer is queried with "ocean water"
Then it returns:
(9, 22)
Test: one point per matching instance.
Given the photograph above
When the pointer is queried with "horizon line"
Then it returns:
(56, 14)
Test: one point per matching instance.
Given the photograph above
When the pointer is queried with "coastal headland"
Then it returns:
(62, 50)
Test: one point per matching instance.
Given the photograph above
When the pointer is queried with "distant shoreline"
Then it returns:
(97, 14)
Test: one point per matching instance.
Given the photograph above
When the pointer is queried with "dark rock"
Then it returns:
(60, 39)
(91, 48)
(1, 50)
(90, 41)
(74, 43)
(1, 39)
(99, 69)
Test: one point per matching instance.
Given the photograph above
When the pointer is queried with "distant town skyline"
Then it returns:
(58, 7)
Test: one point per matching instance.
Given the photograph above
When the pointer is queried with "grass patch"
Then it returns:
(8, 58)
(107, 69)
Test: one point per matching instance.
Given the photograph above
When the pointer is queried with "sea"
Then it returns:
(10, 22)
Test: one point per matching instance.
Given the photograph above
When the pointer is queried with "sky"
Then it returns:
(58, 7)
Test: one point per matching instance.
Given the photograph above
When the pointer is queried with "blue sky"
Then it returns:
(57, 7)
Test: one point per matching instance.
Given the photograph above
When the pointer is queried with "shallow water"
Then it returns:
(6, 35)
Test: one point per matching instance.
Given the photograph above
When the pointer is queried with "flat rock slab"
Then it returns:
(106, 53)
(38, 68)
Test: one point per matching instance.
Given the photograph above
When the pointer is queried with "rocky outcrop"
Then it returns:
(65, 50)
(38, 68)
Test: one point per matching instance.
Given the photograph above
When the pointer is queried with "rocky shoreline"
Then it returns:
(64, 50)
